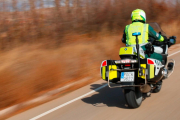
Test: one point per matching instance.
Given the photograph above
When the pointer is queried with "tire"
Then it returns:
(133, 97)
(158, 87)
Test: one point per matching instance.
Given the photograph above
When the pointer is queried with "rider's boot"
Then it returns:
(170, 66)
(168, 70)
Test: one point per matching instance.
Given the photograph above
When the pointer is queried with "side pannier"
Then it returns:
(106, 66)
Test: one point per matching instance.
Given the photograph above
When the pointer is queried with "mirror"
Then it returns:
(172, 41)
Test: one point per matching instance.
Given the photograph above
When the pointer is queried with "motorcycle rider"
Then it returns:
(139, 24)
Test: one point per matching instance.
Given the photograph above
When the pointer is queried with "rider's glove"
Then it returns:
(165, 39)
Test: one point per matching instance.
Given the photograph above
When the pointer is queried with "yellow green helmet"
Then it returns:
(138, 15)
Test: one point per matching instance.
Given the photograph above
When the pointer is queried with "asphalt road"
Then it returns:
(110, 104)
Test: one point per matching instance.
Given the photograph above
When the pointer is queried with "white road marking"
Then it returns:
(60, 106)
(174, 53)
(69, 102)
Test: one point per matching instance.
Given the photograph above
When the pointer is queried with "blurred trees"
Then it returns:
(27, 23)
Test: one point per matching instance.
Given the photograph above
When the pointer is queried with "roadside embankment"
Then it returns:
(28, 72)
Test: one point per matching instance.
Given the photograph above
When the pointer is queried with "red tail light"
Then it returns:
(127, 65)
(150, 61)
(104, 63)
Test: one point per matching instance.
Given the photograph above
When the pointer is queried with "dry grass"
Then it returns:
(28, 71)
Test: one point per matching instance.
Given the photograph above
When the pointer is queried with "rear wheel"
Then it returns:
(133, 97)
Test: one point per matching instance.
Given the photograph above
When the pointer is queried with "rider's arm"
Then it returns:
(124, 37)
(155, 35)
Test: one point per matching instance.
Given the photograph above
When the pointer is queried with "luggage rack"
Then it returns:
(126, 85)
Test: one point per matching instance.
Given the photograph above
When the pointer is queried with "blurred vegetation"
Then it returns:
(74, 16)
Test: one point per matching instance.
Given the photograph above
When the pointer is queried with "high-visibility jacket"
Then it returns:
(145, 29)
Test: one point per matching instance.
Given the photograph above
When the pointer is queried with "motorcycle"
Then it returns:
(136, 74)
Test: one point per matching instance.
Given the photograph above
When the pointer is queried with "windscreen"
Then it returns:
(157, 28)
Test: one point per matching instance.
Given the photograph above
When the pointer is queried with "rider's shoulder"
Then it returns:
(127, 26)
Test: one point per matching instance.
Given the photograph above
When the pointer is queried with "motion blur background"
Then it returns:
(46, 44)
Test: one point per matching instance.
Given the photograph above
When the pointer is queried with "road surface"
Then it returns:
(109, 104)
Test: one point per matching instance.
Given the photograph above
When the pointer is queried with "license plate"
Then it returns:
(127, 77)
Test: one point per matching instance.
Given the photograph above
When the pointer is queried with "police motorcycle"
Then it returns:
(137, 75)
